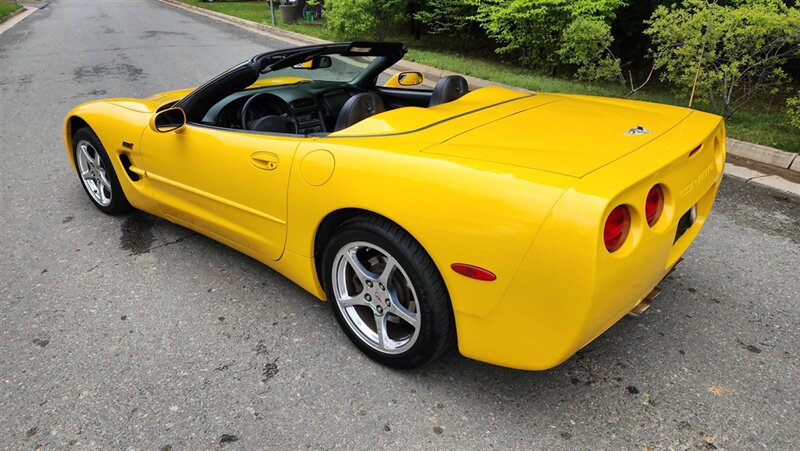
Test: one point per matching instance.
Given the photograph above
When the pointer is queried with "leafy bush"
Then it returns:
(733, 52)
(550, 33)
(364, 19)
(586, 43)
(793, 110)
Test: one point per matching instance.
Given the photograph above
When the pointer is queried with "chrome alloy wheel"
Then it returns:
(93, 173)
(376, 298)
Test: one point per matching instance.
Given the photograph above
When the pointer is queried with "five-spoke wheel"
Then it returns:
(376, 297)
(97, 173)
(386, 293)
(93, 173)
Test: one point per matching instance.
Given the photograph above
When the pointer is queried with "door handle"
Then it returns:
(267, 161)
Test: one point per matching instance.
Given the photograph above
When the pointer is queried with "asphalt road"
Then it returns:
(131, 332)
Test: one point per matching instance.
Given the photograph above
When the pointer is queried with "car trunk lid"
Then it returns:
(568, 135)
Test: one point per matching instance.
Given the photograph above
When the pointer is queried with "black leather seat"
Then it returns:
(358, 108)
(448, 89)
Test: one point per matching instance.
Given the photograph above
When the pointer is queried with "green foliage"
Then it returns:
(735, 52)
(8, 8)
(793, 110)
(547, 34)
(364, 19)
(586, 43)
(456, 18)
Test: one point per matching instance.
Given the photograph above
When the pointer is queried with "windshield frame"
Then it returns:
(245, 74)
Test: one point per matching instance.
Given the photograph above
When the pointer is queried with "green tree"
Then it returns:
(456, 18)
(725, 54)
(360, 19)
(550, 33)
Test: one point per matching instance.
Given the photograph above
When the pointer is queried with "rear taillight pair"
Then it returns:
(618, 223)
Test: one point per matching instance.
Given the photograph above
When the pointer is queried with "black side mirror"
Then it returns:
(324, 62)
(169, 120)
(317, 62)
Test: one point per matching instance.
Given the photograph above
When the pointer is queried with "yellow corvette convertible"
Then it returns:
(519, 225)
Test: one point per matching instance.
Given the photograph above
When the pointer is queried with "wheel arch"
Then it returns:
(75, 123)
(71, 125)
(334, 220)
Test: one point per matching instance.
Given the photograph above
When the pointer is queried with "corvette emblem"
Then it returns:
(638, 130)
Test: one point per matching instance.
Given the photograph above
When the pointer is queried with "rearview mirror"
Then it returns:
(317, 62)
(169, 120)
(402, 79)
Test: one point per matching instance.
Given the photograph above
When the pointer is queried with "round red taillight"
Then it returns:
(617, 227)
(654, 205)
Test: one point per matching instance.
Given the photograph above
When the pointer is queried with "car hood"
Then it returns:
(564, 134)
(150, 104)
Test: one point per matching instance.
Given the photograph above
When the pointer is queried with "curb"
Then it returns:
(433, 74)
(750, 151)
(773, 182)
(16, 17)
(764, 154)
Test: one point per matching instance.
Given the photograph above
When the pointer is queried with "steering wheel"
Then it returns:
(284, 119)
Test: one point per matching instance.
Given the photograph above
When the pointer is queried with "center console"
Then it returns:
(308, 116)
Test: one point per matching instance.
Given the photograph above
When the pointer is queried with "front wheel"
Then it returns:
(97, 174)
(387, 294)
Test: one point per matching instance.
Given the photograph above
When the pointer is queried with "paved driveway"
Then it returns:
(131, 332)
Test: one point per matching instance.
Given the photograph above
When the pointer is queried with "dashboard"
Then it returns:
(313, 105)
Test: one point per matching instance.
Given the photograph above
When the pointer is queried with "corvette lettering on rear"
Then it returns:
(688, 188)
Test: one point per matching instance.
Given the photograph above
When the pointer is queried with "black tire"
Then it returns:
(436, 327)
(118, 202)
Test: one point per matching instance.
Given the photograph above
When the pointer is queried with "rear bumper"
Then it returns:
(569, 289)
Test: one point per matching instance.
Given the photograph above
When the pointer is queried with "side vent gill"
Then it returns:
(126, 163)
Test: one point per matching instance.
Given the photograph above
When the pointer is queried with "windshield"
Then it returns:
(359, 63)
(342, 68)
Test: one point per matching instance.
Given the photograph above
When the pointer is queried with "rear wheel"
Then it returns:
(97, 174)
(387, 294)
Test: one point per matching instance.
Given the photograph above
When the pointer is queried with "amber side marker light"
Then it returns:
(617, 227)
(654, 205)
(473, 272)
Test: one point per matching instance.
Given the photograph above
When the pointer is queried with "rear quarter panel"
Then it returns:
(462, 211)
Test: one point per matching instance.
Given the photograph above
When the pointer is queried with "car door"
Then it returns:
(230, 184)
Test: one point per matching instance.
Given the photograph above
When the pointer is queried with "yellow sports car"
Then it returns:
(520, 225)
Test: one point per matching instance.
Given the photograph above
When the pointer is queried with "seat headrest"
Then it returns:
(358, 108)
(448, 89)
